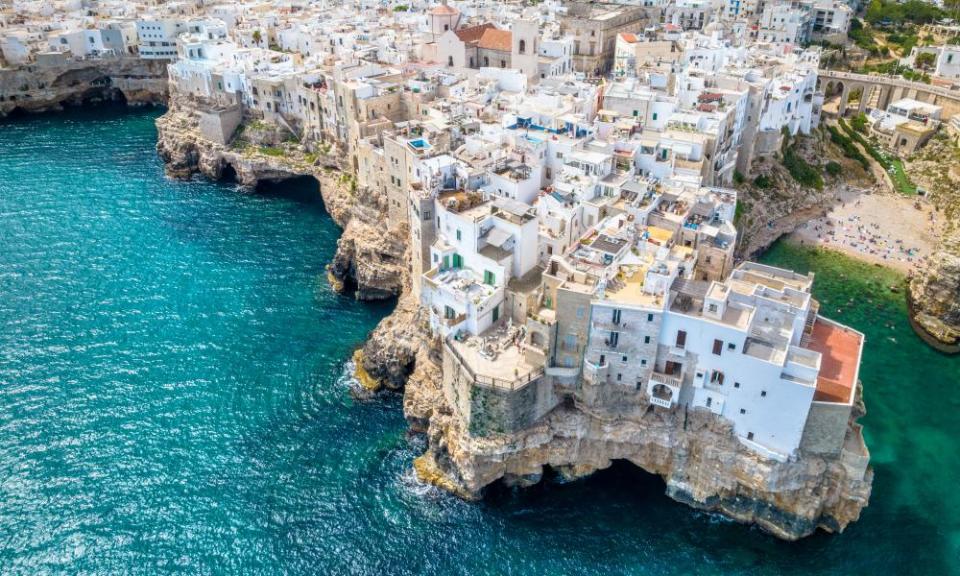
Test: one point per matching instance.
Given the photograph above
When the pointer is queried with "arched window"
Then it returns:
(523, 46)
(449, 60)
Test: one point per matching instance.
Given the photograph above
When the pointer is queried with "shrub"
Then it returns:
(763, 182)
(803, 173)
(834, 168)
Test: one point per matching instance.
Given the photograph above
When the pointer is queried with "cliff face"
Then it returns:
(37, 88)
(780, 204)
(935, 298)
(696, 454)
(369, 258)
(935, 292)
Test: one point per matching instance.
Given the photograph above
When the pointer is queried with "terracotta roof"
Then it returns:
(494, 39)
(472, 34)
(444, 10)
(840, 357)
(631, 38)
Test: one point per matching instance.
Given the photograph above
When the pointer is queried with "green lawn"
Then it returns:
(900, 179)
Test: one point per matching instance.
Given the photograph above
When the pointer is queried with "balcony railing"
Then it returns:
(667, 379)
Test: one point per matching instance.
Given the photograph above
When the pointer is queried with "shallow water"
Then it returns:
(174, 399)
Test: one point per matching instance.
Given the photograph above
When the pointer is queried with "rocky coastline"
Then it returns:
(369, 260)
(696, 454)
(51, 88)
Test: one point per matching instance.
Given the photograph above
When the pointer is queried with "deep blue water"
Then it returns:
(174, 399)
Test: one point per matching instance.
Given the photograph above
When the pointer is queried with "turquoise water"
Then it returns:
(174, 399)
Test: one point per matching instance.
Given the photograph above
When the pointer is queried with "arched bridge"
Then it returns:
(880, 91)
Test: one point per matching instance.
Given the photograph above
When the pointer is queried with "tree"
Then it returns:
(925, 60)
(859, 123)
(257, 37)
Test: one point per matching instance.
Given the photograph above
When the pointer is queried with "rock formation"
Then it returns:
(934, 298)
(368, 259)
(934, 294)
(38, 88)
(696, 453)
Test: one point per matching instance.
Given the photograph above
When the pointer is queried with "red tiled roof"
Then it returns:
(472, 34)
(494, 39)
(839, 348)
(444, 10)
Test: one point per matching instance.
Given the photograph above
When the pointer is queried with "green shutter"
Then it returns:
(457, 261)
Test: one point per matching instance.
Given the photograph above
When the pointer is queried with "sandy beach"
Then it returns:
(879, 227)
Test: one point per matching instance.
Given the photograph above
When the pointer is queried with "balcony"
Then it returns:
(562, 371)
(595, 373)
(670, 380)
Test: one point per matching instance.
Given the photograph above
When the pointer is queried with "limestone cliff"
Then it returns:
(771, 203)
(696, 454)
(370, 256)
(934, 294)
(38, 88)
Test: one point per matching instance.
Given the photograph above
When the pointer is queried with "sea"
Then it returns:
(175, 398)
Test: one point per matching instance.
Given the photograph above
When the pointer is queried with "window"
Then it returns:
(716, 377)
(681, 339)
(458, 234)
(624, 359)
(717, 347)
(743, 410)
(736, 384)
(749, 435)
(646, 339)
(603, 359)
(763, 393)
(614, 339)
(649, 317)
(709, 401)
(486, 60)
(489, 278)
(643, 362)
(619, 377)
(731, 346)
(616, 316)
(449, 60)
(523, 46)
(503, 63)
(449, 312)
(654, 115)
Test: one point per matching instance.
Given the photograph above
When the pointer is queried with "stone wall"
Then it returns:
(218, 125)
(826, 428)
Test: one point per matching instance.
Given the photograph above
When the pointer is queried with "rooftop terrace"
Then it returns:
(840, 349)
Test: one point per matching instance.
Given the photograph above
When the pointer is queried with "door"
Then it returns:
(496, 313)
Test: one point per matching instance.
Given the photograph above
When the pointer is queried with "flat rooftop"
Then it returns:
(496, 356)
(839, 348)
